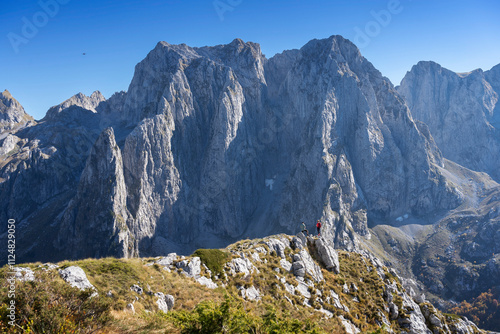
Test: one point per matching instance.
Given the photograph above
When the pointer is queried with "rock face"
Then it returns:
(95, 222)
(76, 277)
(461, 110)
(12, 115)
(303, 264)
(190, 268)
(164, 302)
(328, 255)
(213, 144)
(91, 103)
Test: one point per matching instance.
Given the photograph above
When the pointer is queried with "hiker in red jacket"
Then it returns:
(318, 227)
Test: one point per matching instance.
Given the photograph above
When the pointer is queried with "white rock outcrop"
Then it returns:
(76, 277)
(303, 264)
(328, 255)
(190, 267)
(207, 282)
(24, 274)
(164, 302)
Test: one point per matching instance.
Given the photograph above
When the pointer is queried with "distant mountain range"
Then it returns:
(461, 110)
(215, 144)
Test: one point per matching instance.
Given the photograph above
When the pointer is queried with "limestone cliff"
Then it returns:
(12, 115)
(94, 224)
(213, 144)
(461, 110)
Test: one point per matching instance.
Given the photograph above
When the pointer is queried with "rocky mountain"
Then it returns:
(12, 115)
(278, 284)
(216, 144)
(461, 110)
(213, 144)
(91, 103)
(457, 257)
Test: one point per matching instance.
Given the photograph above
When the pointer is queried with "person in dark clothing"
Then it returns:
(303, 229)
(318, 227)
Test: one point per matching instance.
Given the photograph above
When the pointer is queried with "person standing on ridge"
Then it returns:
(318, 227)
(303, 229)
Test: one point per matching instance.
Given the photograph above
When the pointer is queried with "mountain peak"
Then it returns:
(97, 95)
(7, 94)
(91, 103)
(237, 41)
(459, 109)
(236, 48)
(7, 98)
(12, 114)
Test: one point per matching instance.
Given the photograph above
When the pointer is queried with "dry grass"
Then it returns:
(118, 275)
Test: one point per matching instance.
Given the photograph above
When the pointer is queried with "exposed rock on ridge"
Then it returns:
(461, 110)
(95, 222)
(12, 115)
(91, 103)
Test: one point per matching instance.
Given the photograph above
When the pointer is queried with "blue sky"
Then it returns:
(43, 66)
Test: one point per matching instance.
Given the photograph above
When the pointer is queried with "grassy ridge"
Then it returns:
(62, 309)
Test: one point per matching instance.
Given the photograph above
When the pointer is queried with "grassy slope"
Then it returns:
(118, 275)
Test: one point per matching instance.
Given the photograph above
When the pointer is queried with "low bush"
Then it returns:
(214, 259)
(230, 317)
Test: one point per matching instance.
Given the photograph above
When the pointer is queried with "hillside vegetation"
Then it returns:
(279, 284)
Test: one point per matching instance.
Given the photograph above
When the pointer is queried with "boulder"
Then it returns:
(190, 268)
(298, 243)
(276, 245)
(136, 289)
(24, 274)
(76, 277)
(328, 255)
(241, 265)
(206, 282)
(165, 302)
(303, 263)
(167, 260)
(250, 293)
(285, 264)
(161, 303)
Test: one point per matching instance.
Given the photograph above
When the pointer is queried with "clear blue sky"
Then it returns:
(49, 65)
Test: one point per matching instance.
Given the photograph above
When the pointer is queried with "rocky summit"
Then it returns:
(216, 144)
(461, 110)
(12, 115)
(213, 144)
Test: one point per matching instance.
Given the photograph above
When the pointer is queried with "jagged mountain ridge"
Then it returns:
(457, 258)
(218, 143)
(12, 115)
(461, 110)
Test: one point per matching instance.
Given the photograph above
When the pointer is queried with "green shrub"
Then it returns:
(209, 317)
(214, 259)
(230, 317)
